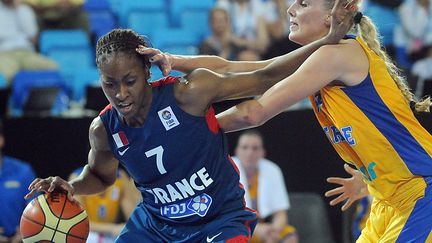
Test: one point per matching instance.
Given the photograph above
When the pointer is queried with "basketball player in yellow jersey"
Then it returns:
(363, 106)
(108, 211)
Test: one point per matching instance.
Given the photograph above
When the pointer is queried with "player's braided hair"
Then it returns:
(120, 40)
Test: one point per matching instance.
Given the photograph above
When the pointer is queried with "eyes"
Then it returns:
(302, 3)
(111, 84)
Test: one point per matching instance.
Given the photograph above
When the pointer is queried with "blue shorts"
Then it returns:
(236, 226)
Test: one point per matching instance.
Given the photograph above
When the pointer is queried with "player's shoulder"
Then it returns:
(98, 135)
(196, 86)
(97, 127)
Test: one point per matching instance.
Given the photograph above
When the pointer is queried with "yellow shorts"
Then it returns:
(406, 217)
(286, 232)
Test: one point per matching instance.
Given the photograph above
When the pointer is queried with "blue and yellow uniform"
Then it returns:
(15, 176)
(372, 127)
(180, 163)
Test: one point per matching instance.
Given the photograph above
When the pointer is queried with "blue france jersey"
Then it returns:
(179, 162)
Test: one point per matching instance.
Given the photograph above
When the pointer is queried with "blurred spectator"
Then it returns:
(385, 17)
(109, 210)
(219, 43)
(280, 43)
(17, 43)
(60, 14)
(248, 20)
(15, 176)
(422, 72)
(360, 216)
(415, 30)
(265, 190)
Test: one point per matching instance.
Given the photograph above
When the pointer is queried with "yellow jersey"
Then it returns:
(105, 207)
(372, 127)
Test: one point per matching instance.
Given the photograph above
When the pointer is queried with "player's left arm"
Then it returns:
(324, 66)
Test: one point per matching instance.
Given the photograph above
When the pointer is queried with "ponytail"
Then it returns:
(368, 32)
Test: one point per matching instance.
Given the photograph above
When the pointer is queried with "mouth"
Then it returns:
(124, 107)
(293, 26)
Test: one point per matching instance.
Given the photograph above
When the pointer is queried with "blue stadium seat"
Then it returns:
(97, 5)
(146, 22)
(101, 22)
(196, 20)
(127, 6)
(3, 83)
(385, 19)
(179, 6)
(72, 57)
(115, 6)
(24, 81)
(50, 39)
(174, 37)
(83, 78)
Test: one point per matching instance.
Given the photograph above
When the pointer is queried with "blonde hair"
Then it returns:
(368, 32)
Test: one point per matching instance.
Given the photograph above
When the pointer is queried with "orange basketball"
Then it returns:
(52, 217)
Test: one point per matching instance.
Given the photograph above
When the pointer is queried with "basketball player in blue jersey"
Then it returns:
(167, 137)
(364, 107)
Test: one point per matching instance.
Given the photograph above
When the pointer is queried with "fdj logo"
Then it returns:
(370, 170)
(198, 205)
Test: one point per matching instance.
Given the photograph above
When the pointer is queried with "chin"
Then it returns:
(296, 38)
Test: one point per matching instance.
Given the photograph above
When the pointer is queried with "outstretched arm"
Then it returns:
(322, 67)
(342, 15)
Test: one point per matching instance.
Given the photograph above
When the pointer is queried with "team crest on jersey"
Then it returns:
(168, 118)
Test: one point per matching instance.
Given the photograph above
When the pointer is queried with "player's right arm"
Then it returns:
(97, 175)
(342, 19)
(187, 64)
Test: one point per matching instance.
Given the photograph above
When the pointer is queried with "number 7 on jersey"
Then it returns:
(158, 151)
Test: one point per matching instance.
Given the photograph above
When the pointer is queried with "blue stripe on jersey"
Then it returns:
(367, 99)
(419, 224)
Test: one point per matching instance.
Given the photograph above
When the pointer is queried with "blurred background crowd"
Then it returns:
(47, 69)
(50, 43)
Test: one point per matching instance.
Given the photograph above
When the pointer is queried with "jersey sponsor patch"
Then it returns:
(198, 205)
(168, 118)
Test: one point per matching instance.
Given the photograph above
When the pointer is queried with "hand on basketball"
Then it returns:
(163, 60)
(50, 184)
(342, 19)
(351, 189)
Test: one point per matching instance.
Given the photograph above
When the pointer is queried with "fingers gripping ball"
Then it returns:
(52, 217)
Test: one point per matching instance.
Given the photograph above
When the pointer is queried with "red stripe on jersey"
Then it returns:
(123, 138)
(212, 122)
(239, 239)
(164, 81)
(234, 165)
(108, 107)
